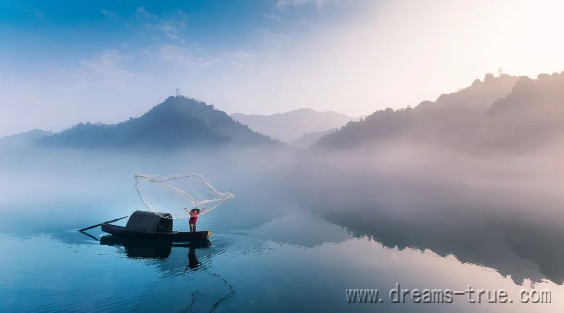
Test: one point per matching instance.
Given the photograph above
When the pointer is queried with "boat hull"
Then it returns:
(172, 236)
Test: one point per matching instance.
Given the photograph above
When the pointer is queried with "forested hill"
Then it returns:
(467, 119)
(178, 122)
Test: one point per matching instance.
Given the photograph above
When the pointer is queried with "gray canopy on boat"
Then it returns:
(149, 222)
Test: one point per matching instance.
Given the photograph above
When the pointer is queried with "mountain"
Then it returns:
(26, 138)
(178, 122)
(289, 126)
(310, 138)
(458, 120)
(532, 115)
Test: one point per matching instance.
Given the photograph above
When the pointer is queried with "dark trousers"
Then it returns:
(192, 227)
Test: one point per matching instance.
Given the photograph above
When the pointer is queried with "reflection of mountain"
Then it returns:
(291, 125)
(464, 223)
(458, 120)
(520, 252)
(313, 231)
(178, 122)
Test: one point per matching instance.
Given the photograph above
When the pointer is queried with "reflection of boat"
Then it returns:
(148, 247)
(153, 225)
(140, 248)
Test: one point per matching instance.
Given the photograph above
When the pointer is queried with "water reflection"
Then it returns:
(520, 251)
(268, 252)
(193, 258)
(179, 264)
(153, 248)
(237, 272)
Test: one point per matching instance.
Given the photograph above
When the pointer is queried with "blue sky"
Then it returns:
(40, 32)
(64, 62)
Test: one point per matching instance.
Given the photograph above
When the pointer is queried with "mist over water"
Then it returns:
(369, 217)
(500, 211)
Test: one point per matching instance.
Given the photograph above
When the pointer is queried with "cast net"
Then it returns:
(177, 194)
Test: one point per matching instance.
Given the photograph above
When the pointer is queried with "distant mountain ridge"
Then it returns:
(290, 126)
(505, 112)
(462, 120)
(178, 122)
(311, 138)
(25, 138)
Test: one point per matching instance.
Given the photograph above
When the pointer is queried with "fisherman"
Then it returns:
(193, 218)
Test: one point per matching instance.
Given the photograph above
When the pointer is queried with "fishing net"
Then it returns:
(175, 194)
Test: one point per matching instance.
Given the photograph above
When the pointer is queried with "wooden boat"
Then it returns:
(153, 225)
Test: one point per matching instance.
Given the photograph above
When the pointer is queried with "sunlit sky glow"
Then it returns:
(66, 61)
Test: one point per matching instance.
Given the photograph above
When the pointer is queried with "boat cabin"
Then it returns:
(149, 222)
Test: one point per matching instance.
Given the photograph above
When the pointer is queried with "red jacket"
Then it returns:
(193, 217)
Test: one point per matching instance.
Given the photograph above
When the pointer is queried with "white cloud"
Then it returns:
(172, 26)
(172, 29)
(106, 68)
(106, 63)
(243, 60)
(273, 17)
(272, 38)
(108, 13)
(185, 57)
(143, 13)
(282, 4)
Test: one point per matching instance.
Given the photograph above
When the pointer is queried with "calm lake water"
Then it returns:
(267, 252)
